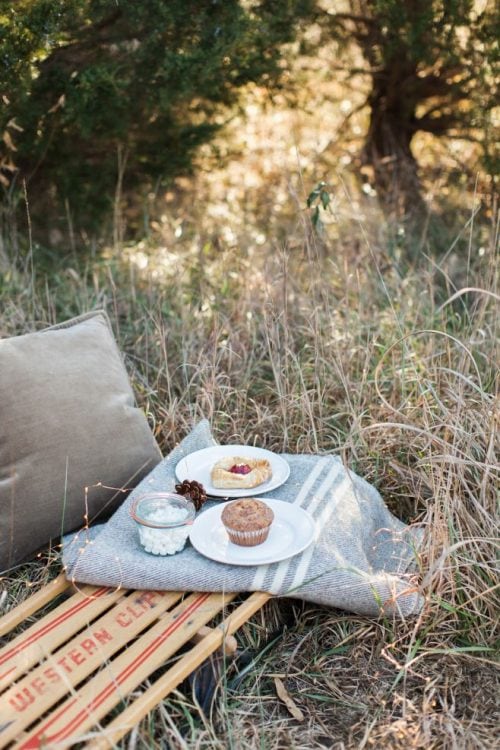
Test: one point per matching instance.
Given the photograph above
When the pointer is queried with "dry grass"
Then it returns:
(322, 347)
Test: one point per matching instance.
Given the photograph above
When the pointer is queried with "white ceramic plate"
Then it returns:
(198, 466)
(291, 532)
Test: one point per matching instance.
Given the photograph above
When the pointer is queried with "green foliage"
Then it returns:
(86, 80)
(96, 94)
(318, 198)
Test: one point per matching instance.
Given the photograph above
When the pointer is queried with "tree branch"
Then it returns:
(436, 125)
(75, 51)
(370, 22)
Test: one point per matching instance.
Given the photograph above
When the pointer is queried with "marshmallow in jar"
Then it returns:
(164, 520)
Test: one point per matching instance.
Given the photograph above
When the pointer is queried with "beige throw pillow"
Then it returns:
(68, 421)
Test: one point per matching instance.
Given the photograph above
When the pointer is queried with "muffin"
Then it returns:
(247, 521)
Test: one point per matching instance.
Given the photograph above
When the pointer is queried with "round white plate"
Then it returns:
(291, 532)
(198, 466)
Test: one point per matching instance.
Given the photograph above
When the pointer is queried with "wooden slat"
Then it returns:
(66, 647)
(62, 671)
(132, 715)
(50, 631)
(230, 644)
(99, 695)
(35, 602)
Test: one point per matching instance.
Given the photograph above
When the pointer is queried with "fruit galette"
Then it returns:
(237, 472)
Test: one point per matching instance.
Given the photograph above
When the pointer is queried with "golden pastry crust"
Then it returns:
(222, 478)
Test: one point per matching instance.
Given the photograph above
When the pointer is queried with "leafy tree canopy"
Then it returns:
(87, 83)
(88, 86)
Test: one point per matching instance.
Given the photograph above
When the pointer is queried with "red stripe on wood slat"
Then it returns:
(5, 674)
(39, 739)
(51, 625)
(35, 742)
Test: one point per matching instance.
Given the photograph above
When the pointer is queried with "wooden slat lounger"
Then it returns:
(61, 676)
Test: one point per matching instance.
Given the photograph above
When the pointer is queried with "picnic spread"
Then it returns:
(206, 536)
(333, 541)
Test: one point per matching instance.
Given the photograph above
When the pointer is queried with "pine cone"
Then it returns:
(194, 490)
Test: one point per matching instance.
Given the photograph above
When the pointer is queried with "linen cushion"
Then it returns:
(72, 439)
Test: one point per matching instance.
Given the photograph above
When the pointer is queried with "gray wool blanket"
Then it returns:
(361, 559)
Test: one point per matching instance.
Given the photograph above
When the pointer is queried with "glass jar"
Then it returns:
(164, 520)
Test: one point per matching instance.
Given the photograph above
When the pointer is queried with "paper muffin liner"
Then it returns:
(248, 538)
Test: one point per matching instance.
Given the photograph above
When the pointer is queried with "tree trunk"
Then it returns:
(387, 148)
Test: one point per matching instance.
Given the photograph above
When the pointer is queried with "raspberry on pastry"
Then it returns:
(237, 472)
